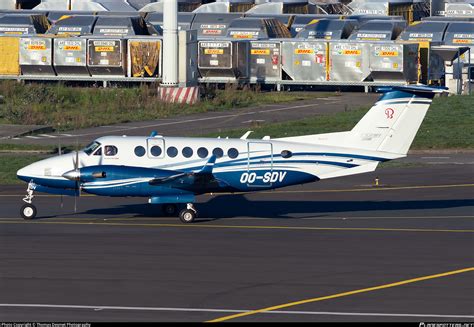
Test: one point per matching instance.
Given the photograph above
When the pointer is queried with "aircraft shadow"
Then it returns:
(230, 206)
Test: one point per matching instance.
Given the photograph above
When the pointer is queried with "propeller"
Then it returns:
(77, 179)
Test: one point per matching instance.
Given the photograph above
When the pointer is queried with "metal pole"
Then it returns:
(170, 43)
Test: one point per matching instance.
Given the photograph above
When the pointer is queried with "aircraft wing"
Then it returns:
(190, 181)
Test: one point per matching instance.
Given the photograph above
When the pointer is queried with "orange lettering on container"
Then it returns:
(36, 47)
(260, 51)
(213, 51)
(389, 53)
(351, 52)
(72, 47)
(104, 49)
(462, 41)
(242, 36)
(304, 51)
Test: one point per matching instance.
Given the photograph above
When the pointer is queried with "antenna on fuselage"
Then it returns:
(244, 137)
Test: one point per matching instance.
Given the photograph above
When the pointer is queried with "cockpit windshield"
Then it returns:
(91, 147)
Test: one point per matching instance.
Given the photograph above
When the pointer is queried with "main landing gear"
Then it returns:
(186, 215)
(28, 211)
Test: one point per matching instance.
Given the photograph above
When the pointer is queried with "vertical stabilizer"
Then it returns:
(392, 123)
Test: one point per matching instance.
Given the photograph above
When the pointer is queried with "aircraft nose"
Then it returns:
(25, 173)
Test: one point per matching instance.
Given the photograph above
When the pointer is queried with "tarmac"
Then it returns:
(336, 250)
(203, 123)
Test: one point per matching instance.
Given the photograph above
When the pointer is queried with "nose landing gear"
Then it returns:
(28, 211)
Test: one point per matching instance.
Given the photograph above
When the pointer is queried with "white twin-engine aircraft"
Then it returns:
(172, 170)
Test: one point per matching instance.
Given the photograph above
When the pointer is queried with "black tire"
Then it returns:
(187, 216)
(28, 212)
(170, 209)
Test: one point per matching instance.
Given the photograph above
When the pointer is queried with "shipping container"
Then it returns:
(36, 56)
(362, 19)
(432, 31)
(139, 4)
(460, 34)
(304, 61)
(115, 6)
(379, 30)
(223, 59)
(121, 26)
(212, 25)
(10, 58)
(349, 61)
(257, 29)
(285, 19)
(54, 16)
(21, 24)
(300, 21)
(185, 20)
(106, 57)
(144, 57)
(394, 62)
(460, 9)
(70, 56)
(328, 29)
(239, 6)
(73, 25)
(265, 61)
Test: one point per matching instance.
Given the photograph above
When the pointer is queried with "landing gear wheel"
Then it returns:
(28, 211)
(170, 209)
(187, 216)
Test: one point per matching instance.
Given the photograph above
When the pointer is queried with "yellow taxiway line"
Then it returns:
(258, 227)
(338, 295)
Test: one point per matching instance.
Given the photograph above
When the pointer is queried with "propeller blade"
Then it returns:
(76, 164)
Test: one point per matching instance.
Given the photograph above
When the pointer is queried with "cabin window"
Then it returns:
(286, 154)
(91, 147)
(140, 151)
(187, 152)
(218, 152)
(202, 152)
(110, 150)
(233, 153)
(172, 152)
(156, 151)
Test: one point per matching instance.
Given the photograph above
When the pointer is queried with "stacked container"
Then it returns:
(70, 56)
(265, 58)
(106, 57)
(305, 61)
(223, 60)
(349, 61)
(36, 56)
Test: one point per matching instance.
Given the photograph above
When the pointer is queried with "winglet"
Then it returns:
(207, 168)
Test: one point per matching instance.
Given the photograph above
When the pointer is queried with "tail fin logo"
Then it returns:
(389, 113)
